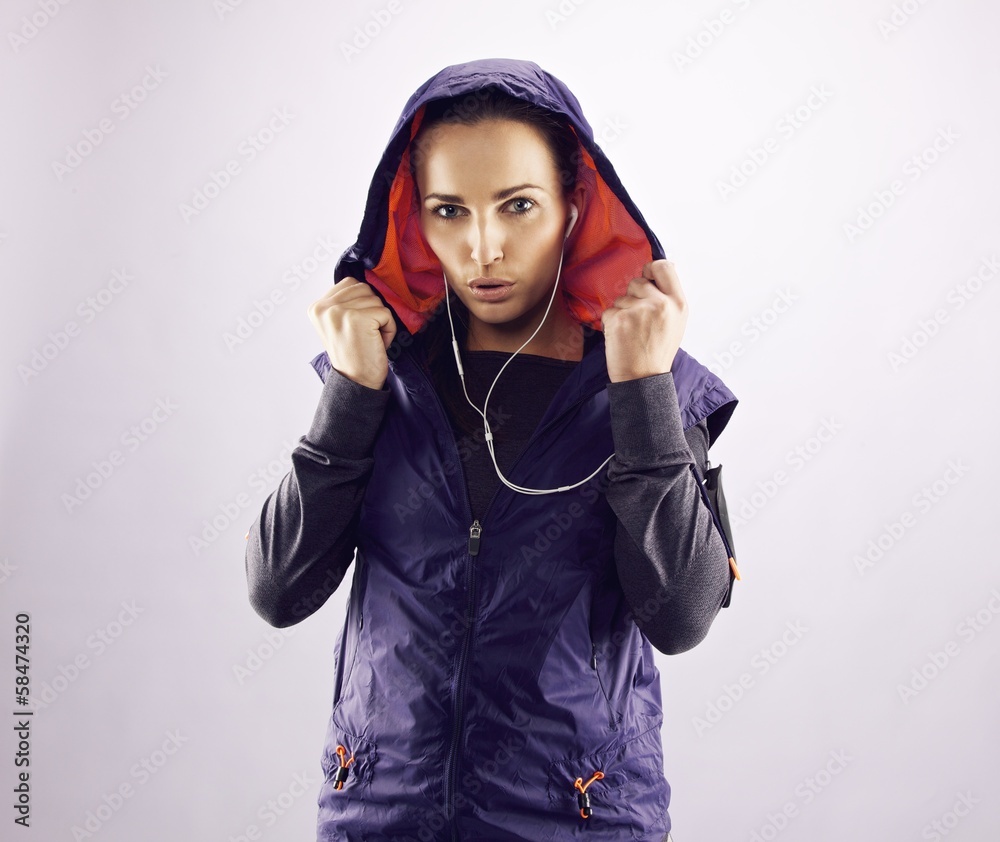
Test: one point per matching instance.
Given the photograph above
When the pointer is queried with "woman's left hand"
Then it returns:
(644, 327)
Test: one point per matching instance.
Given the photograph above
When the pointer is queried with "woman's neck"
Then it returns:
(560, 338)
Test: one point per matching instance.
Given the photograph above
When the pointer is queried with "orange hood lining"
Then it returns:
(606, 249)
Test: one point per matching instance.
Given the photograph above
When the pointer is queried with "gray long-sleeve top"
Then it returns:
(671, 561)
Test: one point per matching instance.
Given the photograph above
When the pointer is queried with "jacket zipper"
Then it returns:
(475, 535)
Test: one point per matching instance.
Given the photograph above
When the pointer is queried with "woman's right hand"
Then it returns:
(356, 329)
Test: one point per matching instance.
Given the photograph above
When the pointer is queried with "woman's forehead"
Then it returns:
(485, 159)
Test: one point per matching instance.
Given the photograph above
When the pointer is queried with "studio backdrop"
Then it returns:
(178, 182)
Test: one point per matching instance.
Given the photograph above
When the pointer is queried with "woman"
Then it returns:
(525, 499)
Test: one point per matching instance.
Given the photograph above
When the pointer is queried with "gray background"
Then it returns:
(140, 639)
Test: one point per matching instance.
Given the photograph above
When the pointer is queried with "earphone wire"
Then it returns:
(486, 424)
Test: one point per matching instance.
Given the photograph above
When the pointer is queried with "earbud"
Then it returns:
(573, 214)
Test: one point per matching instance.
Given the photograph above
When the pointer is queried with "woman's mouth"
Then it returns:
(487, 290)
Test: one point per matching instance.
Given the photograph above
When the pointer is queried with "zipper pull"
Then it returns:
(474, 532)
(593, 656)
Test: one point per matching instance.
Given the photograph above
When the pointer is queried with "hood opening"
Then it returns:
(606, 249)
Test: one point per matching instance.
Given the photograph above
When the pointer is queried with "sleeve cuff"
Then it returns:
(646, 418)
(348, 416)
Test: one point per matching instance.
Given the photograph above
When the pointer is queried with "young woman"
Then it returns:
(509, 446)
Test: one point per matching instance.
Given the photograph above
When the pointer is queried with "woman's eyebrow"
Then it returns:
(499, 196)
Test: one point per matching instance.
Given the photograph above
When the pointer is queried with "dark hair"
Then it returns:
(486, 103)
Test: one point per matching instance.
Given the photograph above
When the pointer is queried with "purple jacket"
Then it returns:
(484, 668)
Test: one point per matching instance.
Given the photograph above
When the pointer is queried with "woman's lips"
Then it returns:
(492, 293)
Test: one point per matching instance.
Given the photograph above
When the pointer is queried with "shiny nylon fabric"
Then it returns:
(473, 689)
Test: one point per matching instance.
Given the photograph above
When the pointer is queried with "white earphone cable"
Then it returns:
(486, 423)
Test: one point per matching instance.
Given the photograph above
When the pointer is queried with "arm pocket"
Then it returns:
(712, 485)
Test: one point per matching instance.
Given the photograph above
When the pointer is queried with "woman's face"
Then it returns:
(492, 206)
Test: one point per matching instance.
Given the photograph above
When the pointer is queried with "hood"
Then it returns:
(608, 247)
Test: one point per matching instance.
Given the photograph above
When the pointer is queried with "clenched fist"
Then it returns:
(643, 328)
(356, 329)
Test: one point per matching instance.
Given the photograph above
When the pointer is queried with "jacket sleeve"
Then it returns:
(671, 560)
(299, 548)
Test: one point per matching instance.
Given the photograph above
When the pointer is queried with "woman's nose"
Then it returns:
(486, 243)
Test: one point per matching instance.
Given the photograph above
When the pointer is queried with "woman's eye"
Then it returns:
(520, 206)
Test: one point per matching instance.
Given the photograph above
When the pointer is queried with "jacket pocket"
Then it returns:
(601, 649)
(715, 499)
(354, 623)
(605, 788)
(349, 763)
(595, 664)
